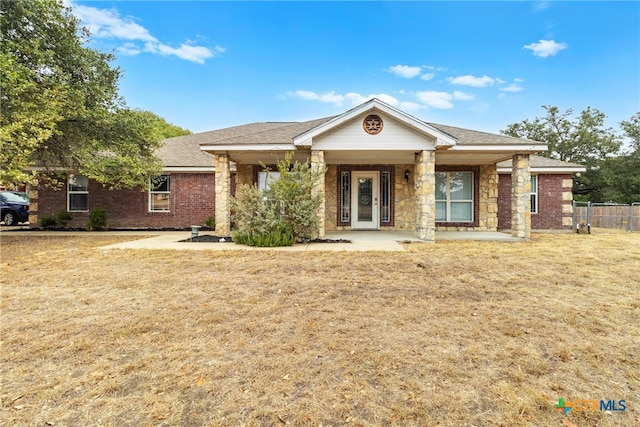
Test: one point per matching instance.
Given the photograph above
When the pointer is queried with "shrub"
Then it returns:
(97, 219)
(210, 222)
(62, 218)
(48, 222)
(283, 214)
(280, 236)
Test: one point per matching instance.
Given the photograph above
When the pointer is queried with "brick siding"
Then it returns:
(192, 201)
(550, 202)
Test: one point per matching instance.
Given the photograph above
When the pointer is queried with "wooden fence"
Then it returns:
(622, 217)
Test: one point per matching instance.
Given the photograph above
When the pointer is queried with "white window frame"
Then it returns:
(448, 200)
(70, 193)
(534, 194)
(266, 178)
(152, 192)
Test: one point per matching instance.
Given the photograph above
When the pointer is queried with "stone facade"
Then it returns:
(223, 194)
(318, 164)
(521, 197)
(488, 200)
(425, 199)
(405, 209)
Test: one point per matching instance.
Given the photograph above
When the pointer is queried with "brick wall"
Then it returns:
(553, 208)
(192, 201)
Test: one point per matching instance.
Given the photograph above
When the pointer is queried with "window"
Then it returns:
(78, 193)
(266, 178)
(385, 215)
(454, 196)
(345, 206)
(159, 192)
(534, 193)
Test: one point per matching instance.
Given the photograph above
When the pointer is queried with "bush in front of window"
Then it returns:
(47, 222)
(97, 219)
(285, 212)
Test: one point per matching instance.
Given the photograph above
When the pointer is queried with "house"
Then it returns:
(385, 170)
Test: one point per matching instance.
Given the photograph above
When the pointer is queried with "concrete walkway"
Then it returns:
(360, 240)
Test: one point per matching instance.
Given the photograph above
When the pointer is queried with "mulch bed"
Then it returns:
(227, 239)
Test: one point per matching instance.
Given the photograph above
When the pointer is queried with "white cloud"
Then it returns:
(328, 97)
(513, 87)
(108, 24)
(410, 106)
(472, 81)
(187, 52)
(540, 6)
(431, 98)
(406, 71)
(427, 76)
(545, 48)
(338, 99)
(462, 96)
(128, 49)
(517, 80)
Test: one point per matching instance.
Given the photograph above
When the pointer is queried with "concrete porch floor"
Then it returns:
(382, 236)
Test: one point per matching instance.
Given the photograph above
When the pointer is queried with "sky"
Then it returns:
(206, 65)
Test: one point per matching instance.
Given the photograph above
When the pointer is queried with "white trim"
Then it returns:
(305, 139)
(374, 224)
(248, 147)
(69, 193)
(448, 201)
(518, 149)
(168, 193)
(551, 170)
(534, 209)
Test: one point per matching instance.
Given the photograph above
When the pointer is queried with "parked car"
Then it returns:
(13, 208)
(21, 194)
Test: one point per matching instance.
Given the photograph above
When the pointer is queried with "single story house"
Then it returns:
(385, 170)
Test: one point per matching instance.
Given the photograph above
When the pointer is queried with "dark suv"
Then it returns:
(13, 208)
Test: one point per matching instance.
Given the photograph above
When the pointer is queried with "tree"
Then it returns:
(60, 104)
(583, 140)
(621, 175)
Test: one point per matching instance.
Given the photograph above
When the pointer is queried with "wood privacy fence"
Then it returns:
(606, 215)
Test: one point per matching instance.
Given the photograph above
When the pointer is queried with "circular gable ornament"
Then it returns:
(372, 124)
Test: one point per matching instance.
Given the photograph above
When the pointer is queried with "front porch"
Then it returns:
(409, 236)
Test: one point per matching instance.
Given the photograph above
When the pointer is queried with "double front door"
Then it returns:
(365, 208)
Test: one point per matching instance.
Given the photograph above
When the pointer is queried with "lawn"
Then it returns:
(451, 334)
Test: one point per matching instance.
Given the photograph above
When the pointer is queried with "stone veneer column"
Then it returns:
(521, 197)
(425, 198)
(318, 163)
(567, 202)
(488, 214)
(223, 194)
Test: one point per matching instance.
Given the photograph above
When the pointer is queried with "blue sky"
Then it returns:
(206, 65)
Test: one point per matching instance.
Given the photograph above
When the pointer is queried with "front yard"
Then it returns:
(451, 334)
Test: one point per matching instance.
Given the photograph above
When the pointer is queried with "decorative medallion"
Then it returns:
(372, 124)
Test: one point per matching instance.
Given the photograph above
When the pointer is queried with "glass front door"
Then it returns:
(364, 201)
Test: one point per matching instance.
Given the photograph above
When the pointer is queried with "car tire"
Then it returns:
(9, 218)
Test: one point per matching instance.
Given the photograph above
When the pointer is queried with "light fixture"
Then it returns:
(407, 174)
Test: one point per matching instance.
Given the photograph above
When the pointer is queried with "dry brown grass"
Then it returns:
(451, 334)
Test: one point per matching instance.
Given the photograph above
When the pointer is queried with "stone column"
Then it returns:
(424, 179)
(567, 202)
(318, 163)
(521, 197)
(223, 193)
(488, 220)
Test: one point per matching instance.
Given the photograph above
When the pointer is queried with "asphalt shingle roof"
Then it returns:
(185, 150)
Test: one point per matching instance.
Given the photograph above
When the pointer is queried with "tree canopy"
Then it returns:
(612, 174)
(61, 109)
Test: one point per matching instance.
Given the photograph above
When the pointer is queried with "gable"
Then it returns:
(393, 135)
